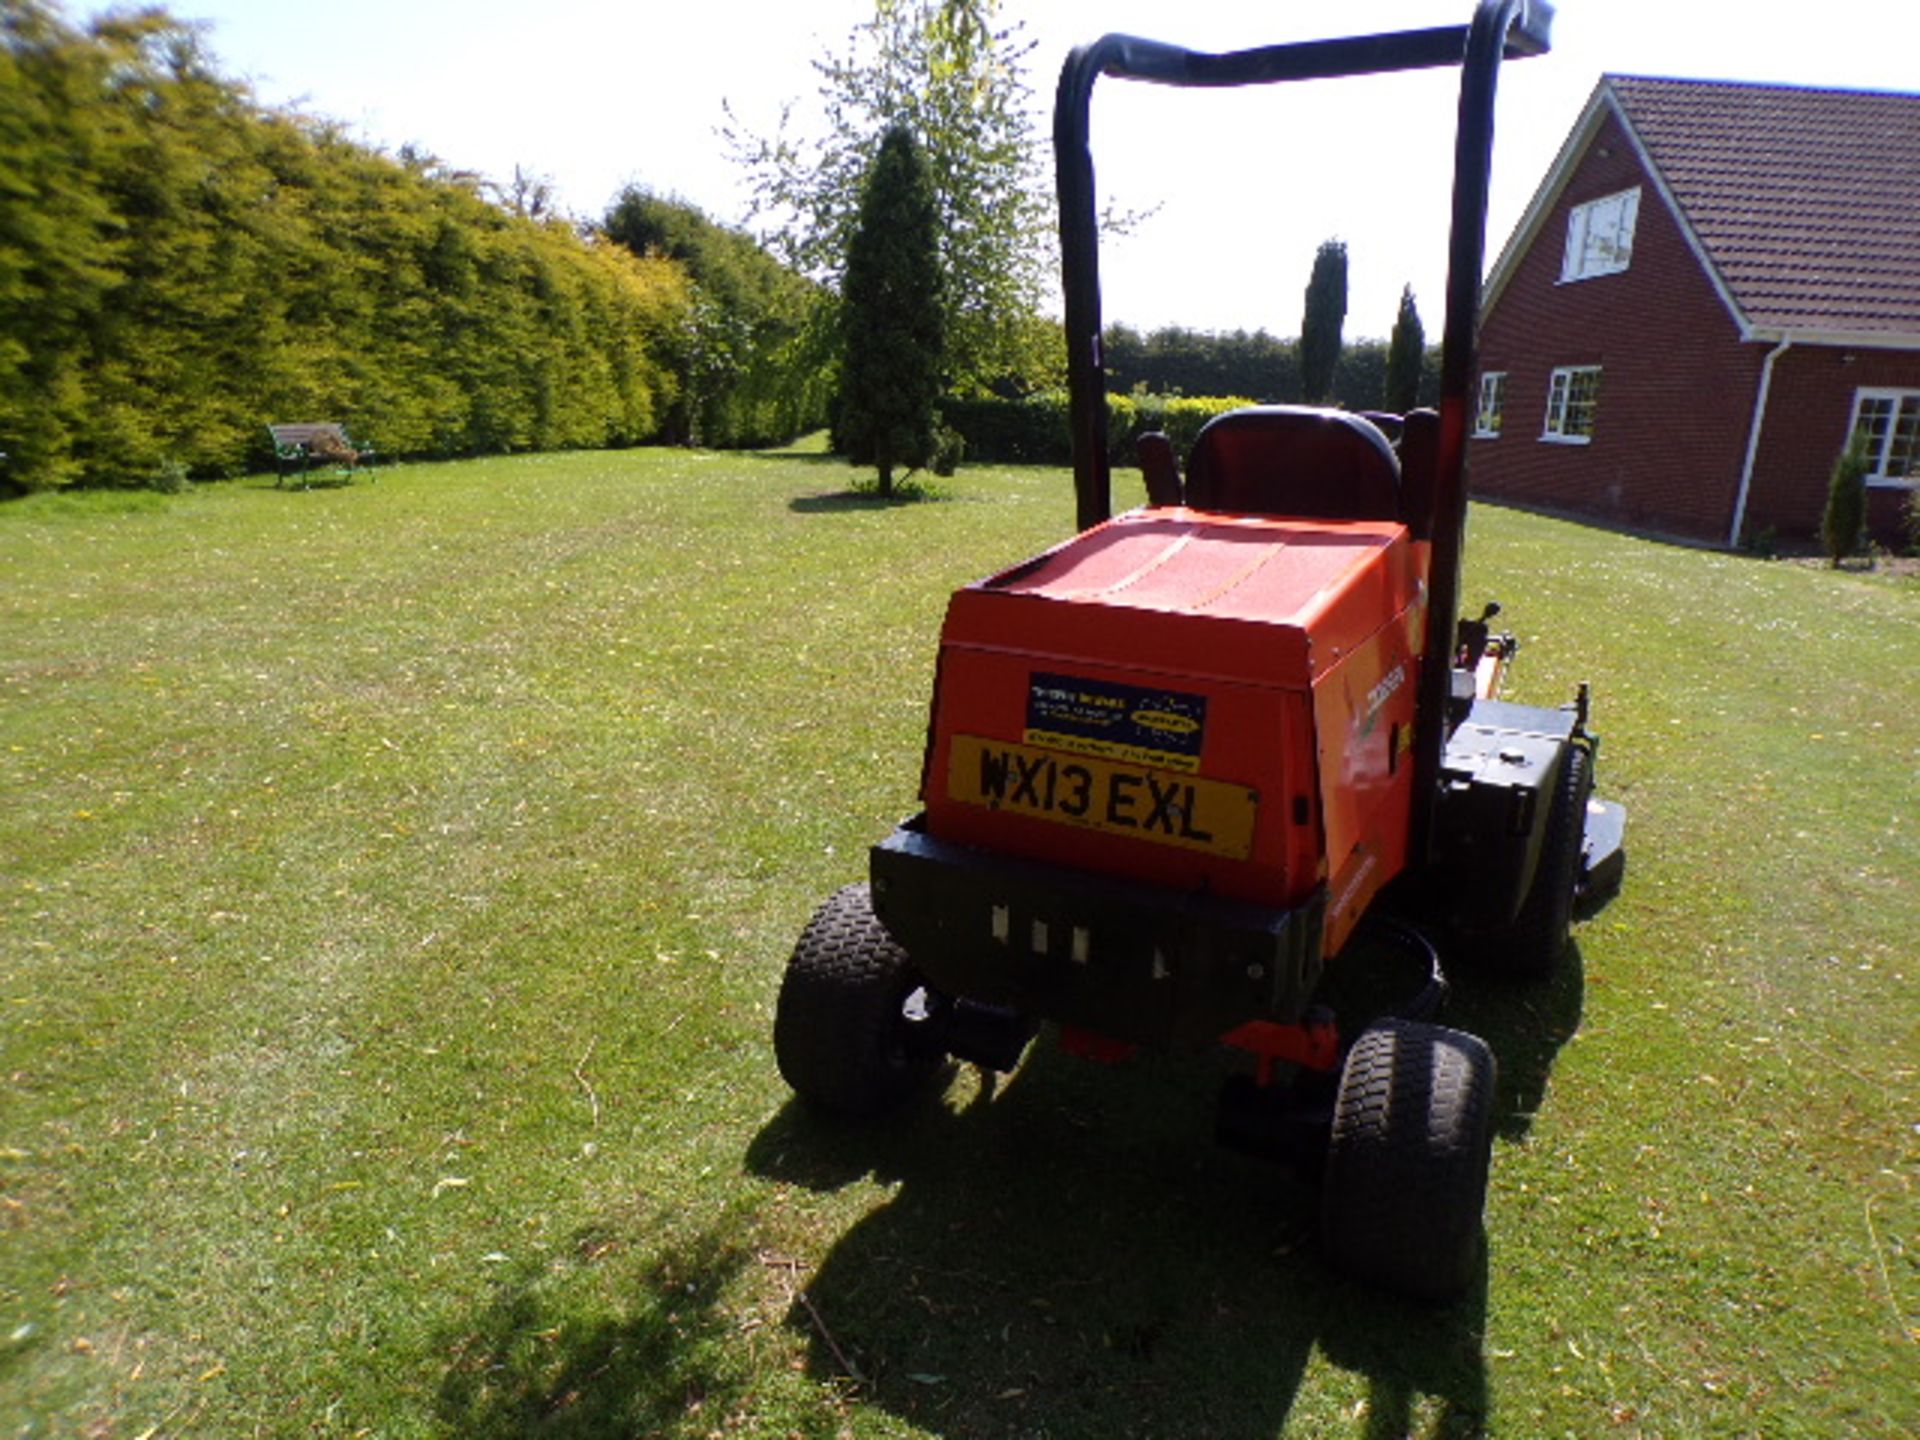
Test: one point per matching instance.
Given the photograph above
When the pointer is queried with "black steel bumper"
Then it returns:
(1167, 969)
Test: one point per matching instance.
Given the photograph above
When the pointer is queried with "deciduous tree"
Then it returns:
(954, 76)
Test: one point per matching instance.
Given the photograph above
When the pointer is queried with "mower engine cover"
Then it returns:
(1200, 725)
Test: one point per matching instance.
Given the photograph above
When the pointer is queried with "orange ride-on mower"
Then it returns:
(1180, 767)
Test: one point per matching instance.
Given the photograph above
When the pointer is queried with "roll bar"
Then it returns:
(1500, 29)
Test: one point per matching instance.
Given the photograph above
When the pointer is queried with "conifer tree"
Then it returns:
(1406, 354)
(1845, 519)
(891, 312)
(1326, 313)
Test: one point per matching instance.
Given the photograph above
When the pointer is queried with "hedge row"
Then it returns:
(1035, 431)
(180, 265)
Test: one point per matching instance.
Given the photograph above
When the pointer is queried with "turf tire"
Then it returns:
(842, 1034)
(1405, 1185)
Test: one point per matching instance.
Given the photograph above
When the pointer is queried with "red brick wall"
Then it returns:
(1676, 386)
(1806, 429)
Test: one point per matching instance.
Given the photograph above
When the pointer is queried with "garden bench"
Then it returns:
(322, 443)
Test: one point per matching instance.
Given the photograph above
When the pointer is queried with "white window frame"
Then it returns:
(1562, 408)
(1600, 236)
(1489, 412)
(1904, 413)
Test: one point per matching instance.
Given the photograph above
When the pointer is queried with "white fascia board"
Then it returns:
(1836, 339)
(1600, 105)
(1572, 150)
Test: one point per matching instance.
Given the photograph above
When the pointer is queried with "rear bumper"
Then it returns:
(1168, 969)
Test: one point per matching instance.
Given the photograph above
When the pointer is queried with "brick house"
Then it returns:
(1713, 288)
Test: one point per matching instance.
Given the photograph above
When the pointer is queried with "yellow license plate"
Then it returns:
(1153, 805)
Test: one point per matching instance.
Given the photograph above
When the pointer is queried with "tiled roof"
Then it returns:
(1807, 202)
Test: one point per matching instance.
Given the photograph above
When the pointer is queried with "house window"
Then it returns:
(1889, 420)
(1571, 399)
(1493, 397)
(1600, 236)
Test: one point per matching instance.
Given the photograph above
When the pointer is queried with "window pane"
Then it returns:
(1493, 389)
(1572, 267)
(1572, 401)
(1583, 397)
(1874, 419)
(1903, 452)
(1600, 236)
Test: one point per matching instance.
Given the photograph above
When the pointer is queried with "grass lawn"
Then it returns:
(394, 885)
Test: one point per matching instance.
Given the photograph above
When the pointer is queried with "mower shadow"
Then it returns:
(1525, 1023)
(1067, 1254)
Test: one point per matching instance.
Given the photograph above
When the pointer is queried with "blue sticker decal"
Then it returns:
(1121, 722)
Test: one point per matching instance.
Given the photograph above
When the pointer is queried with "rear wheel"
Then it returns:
(855, 1028)
(1406, 1175)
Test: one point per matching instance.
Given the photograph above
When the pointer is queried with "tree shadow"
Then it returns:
(536, 1364)
(1067, 1254)
(800, 457)
(839, 502)
(295, 485)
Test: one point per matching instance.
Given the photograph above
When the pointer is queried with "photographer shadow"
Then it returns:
(1065, 1255)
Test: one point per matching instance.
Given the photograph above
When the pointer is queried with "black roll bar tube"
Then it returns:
(1500, 29)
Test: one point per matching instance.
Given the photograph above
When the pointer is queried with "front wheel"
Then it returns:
(1405, 1185)
(855, 1028)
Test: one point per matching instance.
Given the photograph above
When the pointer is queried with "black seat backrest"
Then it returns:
(1419, 470)
(1294, 460)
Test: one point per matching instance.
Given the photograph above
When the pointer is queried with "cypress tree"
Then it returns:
(1846, 514)
(1320, 327)
(891, 312)
(1406, 354)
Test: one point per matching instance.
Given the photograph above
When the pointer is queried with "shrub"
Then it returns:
(1846, 515)
(949, 449)
(1029, 431)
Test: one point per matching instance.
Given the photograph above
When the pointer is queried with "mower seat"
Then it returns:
(1294, 461)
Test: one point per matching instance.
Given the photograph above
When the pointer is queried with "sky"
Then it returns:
(593, 95)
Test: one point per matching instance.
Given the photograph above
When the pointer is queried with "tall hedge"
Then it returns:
(1034, 430)
(180, 265)
(756, 365)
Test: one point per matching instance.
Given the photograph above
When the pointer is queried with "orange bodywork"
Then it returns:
(1193, 700)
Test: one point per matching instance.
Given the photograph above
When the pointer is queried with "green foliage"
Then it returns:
(1844, 523)
(1033, 430)
(1321, 322)
(1177, 361)
(180, 266)
(1192, 362)
(751, 366)
(947, 72)
(1406, 357)
(1179, 417)
(1910, 522)
(892, 318)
